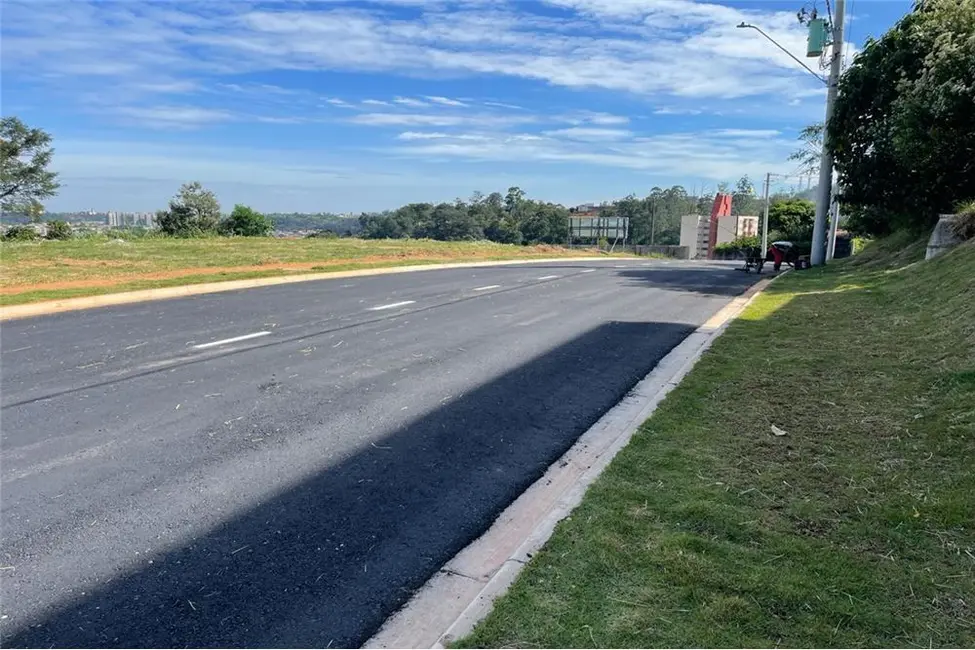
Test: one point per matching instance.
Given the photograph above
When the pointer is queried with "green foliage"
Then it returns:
(964, 225)
(792, 219)
(59, 230)
(20, 233)
(513, 218)
(193, 212)
(244, 221)
(25, 154)
(743, 199)
(739, 245)
(903, 129)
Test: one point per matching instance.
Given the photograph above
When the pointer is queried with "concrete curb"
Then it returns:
(87, 302)
(461, 594)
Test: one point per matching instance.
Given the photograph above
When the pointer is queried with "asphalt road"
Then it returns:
(293, 486)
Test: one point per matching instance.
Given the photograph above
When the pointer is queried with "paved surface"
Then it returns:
(292, 488)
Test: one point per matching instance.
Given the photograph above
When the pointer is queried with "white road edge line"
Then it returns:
(490, 286)
(589, 271)
(548, 277)
(213, 344)
(462, 593)
(392, 305)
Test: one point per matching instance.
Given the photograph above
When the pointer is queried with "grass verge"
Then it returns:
(854, 529)
(49, 270)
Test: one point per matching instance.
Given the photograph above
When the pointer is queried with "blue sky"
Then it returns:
(348, 106)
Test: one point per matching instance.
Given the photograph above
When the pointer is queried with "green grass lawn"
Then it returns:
(855, 529)
(49, 270)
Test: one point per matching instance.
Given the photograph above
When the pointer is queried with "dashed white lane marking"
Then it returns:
(548, 277)
(392, 305)
(212, 344)
(490, 286)
(589, 271)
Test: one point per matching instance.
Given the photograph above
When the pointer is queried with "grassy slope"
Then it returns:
(33, 271)
(856, 529)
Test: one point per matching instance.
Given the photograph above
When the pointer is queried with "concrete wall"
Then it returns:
(943, 238)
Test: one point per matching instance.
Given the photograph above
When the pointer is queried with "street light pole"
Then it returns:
(818, 255)
(744, 25)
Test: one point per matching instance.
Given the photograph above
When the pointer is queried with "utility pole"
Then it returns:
(818, 255)
(768, 182)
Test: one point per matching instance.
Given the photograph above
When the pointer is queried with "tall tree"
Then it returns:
(810, 151)
(903, 127)
(743, 199)
(25, 155)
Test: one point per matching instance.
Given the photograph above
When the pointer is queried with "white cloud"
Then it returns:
(179, 117)
(375, 102)
(588, 134)
(668, 110)
(746, 133)
(409, 101)
(659, 47)
(702, 155)
(437, 135)
(446, 101)
(436, 119)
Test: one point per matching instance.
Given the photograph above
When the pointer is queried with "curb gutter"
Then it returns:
(127, 297)
(461, 594)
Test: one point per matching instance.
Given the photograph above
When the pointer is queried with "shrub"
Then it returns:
(246, 222)
(193, 212)
(20, 233)
(322, 234)
(737, 245)
(59, 230)
(964, 224)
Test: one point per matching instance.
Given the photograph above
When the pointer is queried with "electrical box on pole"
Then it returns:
(818, 37)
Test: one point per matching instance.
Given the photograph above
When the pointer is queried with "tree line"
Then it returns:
(511, 218)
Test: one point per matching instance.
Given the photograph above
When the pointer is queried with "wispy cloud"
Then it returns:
(374, 102)
(437, 135)
(589, 134)
(409, 101)
(445, 101)
(746, 133)
(439, 120)
(335, 101)
(668, 47)
(179, 117)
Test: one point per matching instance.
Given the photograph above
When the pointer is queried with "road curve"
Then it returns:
(283, 466)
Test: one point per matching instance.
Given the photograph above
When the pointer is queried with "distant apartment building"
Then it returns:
(695, 231)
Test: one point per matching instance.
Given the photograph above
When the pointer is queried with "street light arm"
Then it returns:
(808, 69)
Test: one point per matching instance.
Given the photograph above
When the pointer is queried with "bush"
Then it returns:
(193, 212)
(737, 245)
(59, 230)
(20, 233)
(322, 234)
(964, 224)
(246, 222)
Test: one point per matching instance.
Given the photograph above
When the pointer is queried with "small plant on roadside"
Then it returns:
(244, 221)
(59, 230)
(20, 233)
